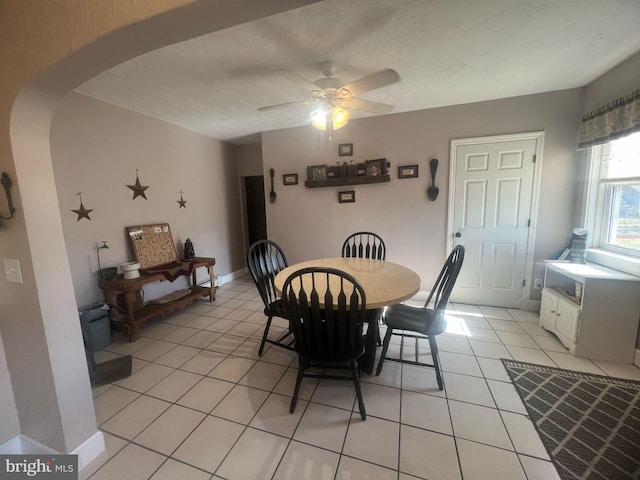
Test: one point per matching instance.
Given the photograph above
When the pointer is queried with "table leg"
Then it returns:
(212, 289)
(368, 359)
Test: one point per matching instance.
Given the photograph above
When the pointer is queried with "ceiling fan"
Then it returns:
(335, 100)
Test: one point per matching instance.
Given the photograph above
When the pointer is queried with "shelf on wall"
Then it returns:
(338, 182)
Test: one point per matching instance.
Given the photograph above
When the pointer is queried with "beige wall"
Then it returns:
(249, 159)
(96, 149)
(311, 223)
(619, 81)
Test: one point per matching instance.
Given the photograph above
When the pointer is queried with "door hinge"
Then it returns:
(524, 282)
(529, 223)
(534, 158)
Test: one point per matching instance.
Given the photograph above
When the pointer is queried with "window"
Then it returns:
(617, 206)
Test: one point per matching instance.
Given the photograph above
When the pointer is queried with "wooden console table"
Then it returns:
(123, 297)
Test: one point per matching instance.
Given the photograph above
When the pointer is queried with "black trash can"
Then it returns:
(96, 328)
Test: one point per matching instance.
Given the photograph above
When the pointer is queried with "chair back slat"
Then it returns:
(265, 260)
(331, 330)
(364, 245)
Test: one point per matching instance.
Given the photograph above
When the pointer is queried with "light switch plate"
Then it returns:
(12, 270)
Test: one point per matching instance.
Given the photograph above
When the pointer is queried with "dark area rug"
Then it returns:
(589, 424)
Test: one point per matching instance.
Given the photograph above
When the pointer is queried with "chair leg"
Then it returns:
(302, 366)
(436, 364)
(264, 335)
(356, 382)
(385, 347)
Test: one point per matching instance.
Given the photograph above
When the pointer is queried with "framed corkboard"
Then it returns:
(152, 244)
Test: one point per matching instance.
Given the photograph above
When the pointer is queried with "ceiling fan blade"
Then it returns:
(365, 105)
(287, 104)
(371, 82)
(297, 79)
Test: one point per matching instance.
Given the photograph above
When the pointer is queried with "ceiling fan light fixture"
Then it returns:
(339, 117)
(319, 119)
(333, 119)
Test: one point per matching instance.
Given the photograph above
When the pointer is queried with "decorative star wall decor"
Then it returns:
(82, 212)
(138, 189)
(182, 202)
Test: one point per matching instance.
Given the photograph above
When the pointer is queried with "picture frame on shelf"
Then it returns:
(348, 196)
(334, 171)
(376, 167)
(345, 149)
(361, 170)
(317, 172)
(408, 171)
(290, 179)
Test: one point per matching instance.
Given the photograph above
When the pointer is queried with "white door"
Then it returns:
(491, 198)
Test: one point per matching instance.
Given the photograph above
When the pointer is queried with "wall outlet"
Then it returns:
(12, 270)
(537, 284)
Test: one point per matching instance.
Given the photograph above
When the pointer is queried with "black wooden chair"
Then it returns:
(364, 245)
(265, 260)
(425, 322)
(329, 337)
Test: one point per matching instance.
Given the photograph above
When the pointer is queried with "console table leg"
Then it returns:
(212, 289)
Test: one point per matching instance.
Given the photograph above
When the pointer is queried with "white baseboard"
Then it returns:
(22, 444)
(11, 447)
(636, 358)
(89, 449)
(222, 279)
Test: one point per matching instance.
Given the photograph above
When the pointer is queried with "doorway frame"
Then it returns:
(538, 136)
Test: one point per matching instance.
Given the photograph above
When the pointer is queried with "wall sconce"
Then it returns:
(6, 183)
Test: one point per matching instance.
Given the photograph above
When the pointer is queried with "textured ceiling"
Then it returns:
(447, 52)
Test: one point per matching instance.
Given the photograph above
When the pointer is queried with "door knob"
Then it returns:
(458, 235)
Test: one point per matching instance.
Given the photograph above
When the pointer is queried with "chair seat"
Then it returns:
(276, 309)
(416, 319)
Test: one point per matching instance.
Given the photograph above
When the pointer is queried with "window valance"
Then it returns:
(614, 120)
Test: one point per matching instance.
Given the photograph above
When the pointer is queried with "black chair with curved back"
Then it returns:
(364, 245)
(425, 322)
(329, 337)
(265, 259)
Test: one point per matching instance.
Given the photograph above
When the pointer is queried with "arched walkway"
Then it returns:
(52, 48)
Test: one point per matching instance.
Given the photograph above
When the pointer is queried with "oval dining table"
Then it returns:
(385, 283)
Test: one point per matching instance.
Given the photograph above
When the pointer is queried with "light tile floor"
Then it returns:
(202, 405)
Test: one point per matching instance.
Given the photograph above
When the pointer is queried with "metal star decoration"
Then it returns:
(82, 212)
(138, 189)
(182, 202)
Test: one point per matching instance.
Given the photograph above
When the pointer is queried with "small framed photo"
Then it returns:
(376, 168)
(408, 171)
(345, 149)
(347, 197)
(290, 179)
(317, 172)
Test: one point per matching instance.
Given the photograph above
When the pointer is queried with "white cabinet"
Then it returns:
(593, 310)
(561, 316)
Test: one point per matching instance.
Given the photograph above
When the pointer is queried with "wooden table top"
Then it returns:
(384, 283)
